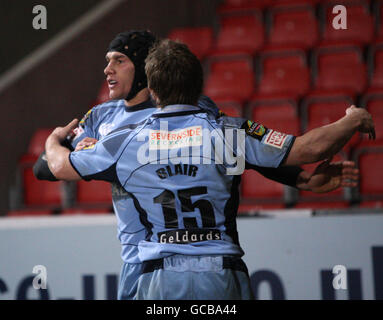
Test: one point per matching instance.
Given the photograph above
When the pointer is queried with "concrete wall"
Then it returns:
(20, 38)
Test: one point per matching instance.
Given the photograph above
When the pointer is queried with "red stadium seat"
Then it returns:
(347, 2)
(229, 7)
(39, 192)
(230, 79)
(374, 105)
(229, 107)
(378, 204)
(319, 110)
(339, 68)
(295, 2)
(83, 211)
(371, 174)
(285, 126)
(293, 26)
(37, 143)
(234, 6)
(261, 189)
(244, 33)
(376, 66)
(199, 40)
(370, 158)
(379, 16)
(360, 25)
(283, 73)
(280, 115)
(93, 193)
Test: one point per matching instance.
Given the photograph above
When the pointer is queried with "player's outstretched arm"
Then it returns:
(329, 176)
(58, 156)
(324, 142)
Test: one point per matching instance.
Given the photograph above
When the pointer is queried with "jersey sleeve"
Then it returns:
(265, 147)
(86, 127)
(261, 146)
(97, 162)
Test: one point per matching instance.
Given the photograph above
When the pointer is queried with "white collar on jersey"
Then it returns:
(176, 108)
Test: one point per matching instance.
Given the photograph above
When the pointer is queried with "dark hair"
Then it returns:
(174, 73)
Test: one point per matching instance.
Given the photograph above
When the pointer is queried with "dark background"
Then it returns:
(64, 85)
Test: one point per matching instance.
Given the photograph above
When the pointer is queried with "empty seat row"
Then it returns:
(52, 196)
(233, 6)
(293, 73)
(292, 26)
(316, 110)
(55, 195)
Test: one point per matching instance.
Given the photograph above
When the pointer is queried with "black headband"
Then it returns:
(135, 45)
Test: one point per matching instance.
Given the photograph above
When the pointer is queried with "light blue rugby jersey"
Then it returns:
(99, 122)
(185, 206)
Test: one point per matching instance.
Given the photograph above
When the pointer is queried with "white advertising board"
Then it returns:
(287, 258)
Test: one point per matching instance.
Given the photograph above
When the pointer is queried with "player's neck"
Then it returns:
(140, 97)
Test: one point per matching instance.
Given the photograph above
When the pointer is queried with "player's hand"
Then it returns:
(84, 143)
(330, 176)
(60, 133)
(365, 119)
